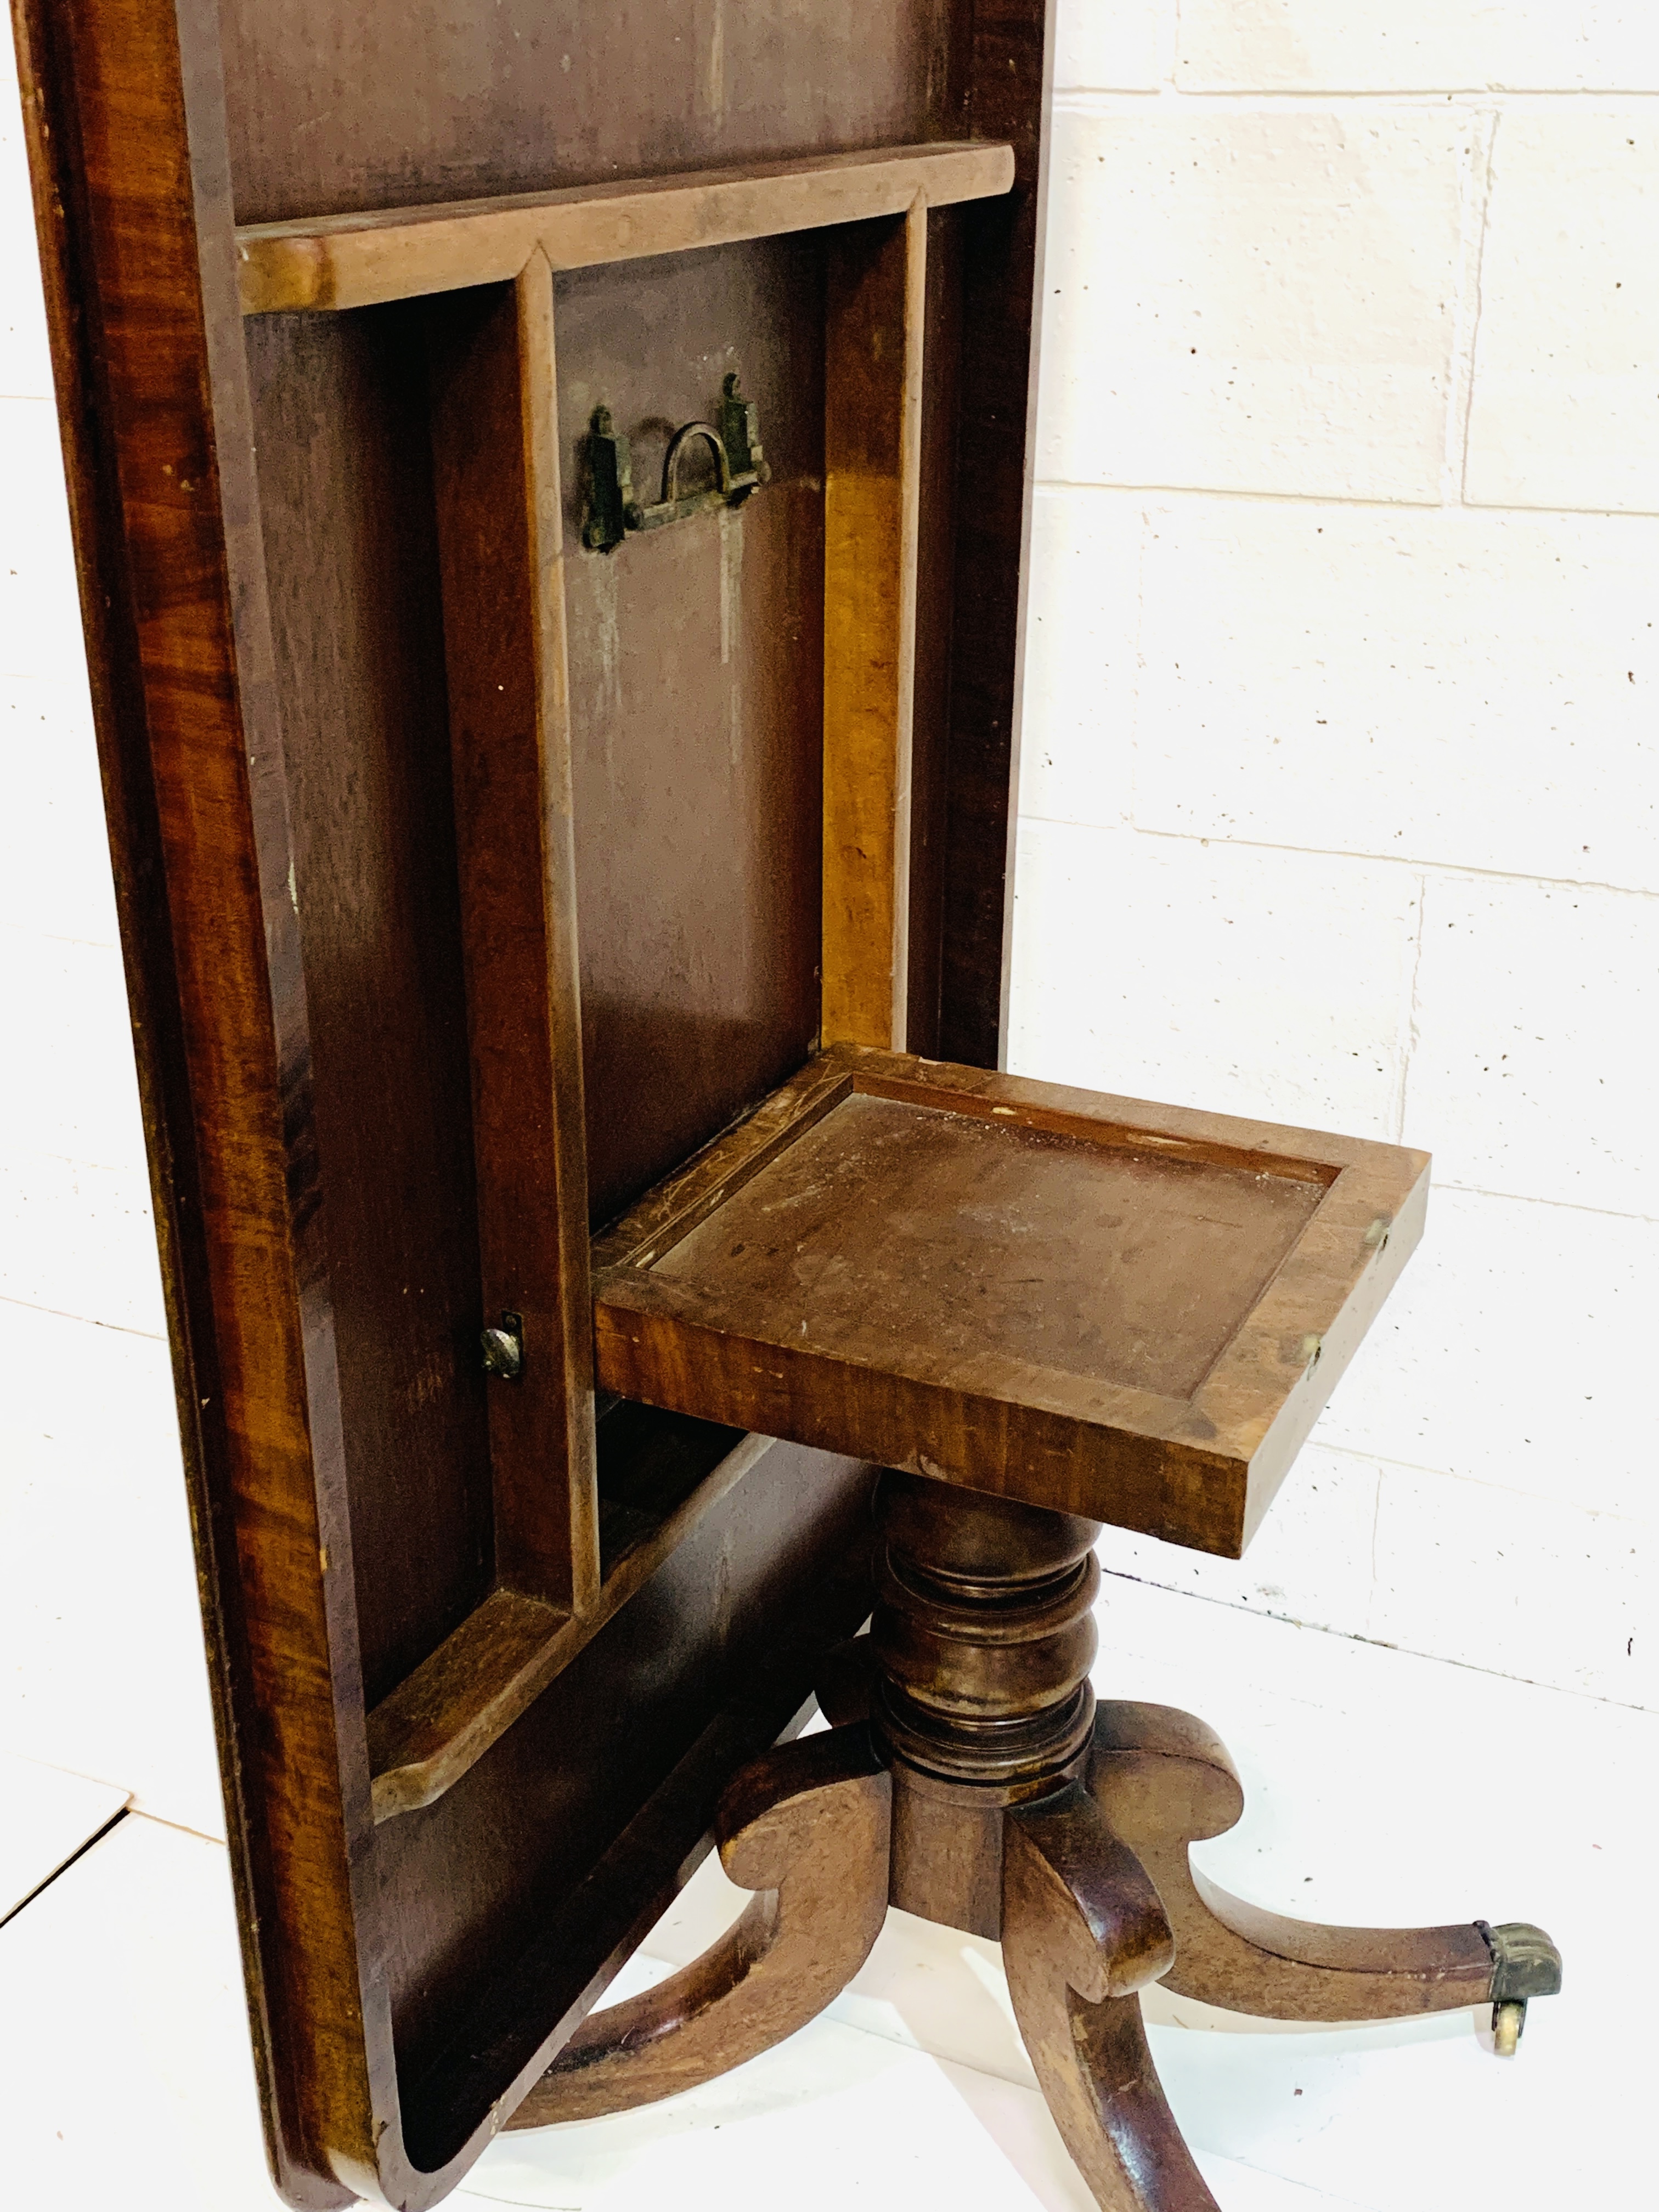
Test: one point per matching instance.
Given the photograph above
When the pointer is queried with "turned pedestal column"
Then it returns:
(982, 1640)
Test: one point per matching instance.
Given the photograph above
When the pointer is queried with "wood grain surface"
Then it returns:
(1164, 1782)
(442, 1718)
(872, 498)
(336, 262)
(128, 145)
(1083, 1930)
(347, 559)
(908, 1236)
(805, 1828)
(337, 108)
(357, 1045)
(501, 533)
(1109, 1307)
(697, 659)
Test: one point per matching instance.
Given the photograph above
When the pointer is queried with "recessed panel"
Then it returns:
(345, 494)
(900, 1235)
(336, 106)
(696, 704)
(1100, 1305)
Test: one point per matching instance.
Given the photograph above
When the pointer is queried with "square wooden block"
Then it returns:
(1130, 1311)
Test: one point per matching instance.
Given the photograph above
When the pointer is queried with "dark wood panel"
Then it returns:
(441, 1721)
(153, 394)
(697, 688)
(915, 1238)
(467, 1883)
(1011, 67)
(592, 1929)
(279, 811)
(338, 107)
(650, 1463)
(345, 490)
(876, 309)
(69, 175)
(1092, 1304)
(326, 263)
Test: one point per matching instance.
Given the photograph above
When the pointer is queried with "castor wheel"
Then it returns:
(1525, 1964)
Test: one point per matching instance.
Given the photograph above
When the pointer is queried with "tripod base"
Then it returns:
(970, 1779)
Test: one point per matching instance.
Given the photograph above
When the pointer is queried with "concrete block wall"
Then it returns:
(1339, 795)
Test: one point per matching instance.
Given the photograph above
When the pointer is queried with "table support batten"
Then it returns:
(873, 450)
(494, 436)
(329, 263)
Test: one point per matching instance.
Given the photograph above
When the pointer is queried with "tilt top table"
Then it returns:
(551, 491)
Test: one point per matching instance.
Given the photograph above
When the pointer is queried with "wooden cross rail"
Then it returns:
(442, 1718)
(360, 260)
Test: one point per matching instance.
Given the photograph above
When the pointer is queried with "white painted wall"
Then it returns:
(1339, 794)
(1338, 805)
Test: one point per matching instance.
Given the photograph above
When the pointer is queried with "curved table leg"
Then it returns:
(1082, 1930)
(807, 1828)
(1163, 1781)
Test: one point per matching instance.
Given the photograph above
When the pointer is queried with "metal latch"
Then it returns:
(614, 514)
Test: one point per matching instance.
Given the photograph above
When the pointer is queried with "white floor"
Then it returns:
(1383, 1788)
(49, 1816)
